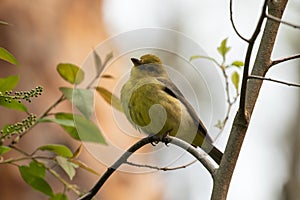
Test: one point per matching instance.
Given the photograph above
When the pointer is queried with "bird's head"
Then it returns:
(148, 65)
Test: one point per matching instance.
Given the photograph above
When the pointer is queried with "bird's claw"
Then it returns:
(162, 138)
(154, 143)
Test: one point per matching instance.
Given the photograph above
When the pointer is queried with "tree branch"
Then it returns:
(161, 168)
(249, 94)
(251, 42)
(276, 19)
(193, 151)
(152, 139)
(233, 25)
(263, 58)
(275, 62)
(273, 80)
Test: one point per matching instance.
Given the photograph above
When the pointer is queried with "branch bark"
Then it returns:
(240, 125)
(152, 139)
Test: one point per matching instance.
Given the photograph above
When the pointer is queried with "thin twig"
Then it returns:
(275, 62)
(89, 86)
(226, 83)
(123, 159)
(233, 25)
(273, 80)
(160, 168)
(251, 42)
(224, 122)
(13, 160)
(229, 102)
(72, 187)
(281, 21)
(58, 101)
(18, 150)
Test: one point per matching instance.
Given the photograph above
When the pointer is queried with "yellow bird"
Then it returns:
(153, 104)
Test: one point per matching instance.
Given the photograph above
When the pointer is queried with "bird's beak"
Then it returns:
(136, 61)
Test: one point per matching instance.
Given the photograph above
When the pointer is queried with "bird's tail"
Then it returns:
(216, 155)
(208, 147)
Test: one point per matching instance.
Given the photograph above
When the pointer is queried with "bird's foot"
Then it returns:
(154, 143)
(161, 138)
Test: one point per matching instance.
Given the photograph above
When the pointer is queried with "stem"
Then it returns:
(13, 160)
(61, 98)
(229, 102)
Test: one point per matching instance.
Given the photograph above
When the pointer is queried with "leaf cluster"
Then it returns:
(78, 126)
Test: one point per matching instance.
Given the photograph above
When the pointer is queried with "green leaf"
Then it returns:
(12, 104)
(82, 99)
(223, 48)
(8, 83)
(60, 150)
(87, 130)
(64, 122)
(34, 175)
(85, 167)
(8, 57)
(4, 149)
(68, 92)
(70, 129)
(38, 169)
(204, 57)
(83, 129)
(235, 78)
(70, 72)
(59, 196)
(67, 166)
(98, 62)
(194, 57)
(110, 98)
(237, 63)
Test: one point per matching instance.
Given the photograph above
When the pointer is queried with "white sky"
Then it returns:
(261, 169)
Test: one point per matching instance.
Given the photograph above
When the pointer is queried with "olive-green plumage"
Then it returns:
(152, 103)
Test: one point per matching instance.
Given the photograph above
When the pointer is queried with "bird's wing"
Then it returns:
(171, 89)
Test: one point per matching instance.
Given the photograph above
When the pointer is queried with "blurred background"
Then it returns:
(45, 33)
